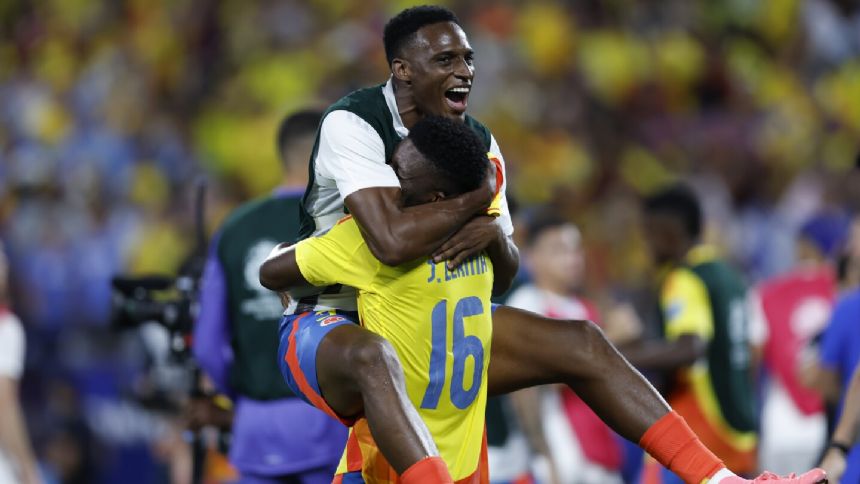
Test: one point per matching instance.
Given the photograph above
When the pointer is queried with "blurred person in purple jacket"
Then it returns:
(276, 436)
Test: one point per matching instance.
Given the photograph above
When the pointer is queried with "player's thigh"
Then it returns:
(312, 361)
(529, 349)
(347, 358)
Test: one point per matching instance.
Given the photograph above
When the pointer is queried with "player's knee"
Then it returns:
(590, 343)
(373, 358)
(592, 332)
(597, 338)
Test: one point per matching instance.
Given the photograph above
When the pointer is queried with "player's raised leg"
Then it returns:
(350, 372)
(577, 354)
(529, 350)
(367, 379)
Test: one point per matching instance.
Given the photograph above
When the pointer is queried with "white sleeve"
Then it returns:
(505, 217)
(758, 330)
(352, 154)
(526, 297)
(11, 346)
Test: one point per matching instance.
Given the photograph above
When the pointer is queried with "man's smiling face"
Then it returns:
(441, 67)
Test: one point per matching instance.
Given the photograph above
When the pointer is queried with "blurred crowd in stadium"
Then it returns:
(109, 111)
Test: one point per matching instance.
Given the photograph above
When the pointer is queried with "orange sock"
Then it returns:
(429, 470)
(672, 443)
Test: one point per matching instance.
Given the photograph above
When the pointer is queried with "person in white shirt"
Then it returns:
(17, 464)
(577, 447)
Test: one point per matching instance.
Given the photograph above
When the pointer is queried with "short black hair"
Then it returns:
(400, 29)
(296, 125)
(678, 201)
(455, 151)
(542, 220)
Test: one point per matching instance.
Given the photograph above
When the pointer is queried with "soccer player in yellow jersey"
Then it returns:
(438, 320)
(358, 371)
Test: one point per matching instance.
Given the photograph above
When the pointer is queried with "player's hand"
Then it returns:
(834, 464)
(621, 324)
(203, 412)
(470, 240)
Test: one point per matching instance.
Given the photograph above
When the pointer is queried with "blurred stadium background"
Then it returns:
(109, 110)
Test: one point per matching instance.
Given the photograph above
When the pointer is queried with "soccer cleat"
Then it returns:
(815, 476)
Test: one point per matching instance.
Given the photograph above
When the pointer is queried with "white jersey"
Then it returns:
(12, 345)
(534, 299)
(351, 155)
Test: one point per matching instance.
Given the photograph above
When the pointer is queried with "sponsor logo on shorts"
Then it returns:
(331, 320)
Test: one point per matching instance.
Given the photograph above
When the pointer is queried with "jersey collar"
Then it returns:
(388, 92)
(699, 254)
(702, 253)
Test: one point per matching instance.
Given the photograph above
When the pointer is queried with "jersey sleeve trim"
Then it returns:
(503, 210)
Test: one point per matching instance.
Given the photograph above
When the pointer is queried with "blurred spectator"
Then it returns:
(562, 429)
(834, 30)
(276, 436)
(705, 346)
(787, 312)
(17, 464)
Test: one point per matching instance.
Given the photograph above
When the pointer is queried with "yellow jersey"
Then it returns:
(439, 322)
(714, 394)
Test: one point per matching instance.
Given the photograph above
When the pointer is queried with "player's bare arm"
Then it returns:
(396, 234)
(665, 355)
(279, 272)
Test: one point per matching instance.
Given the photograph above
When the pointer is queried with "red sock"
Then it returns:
(671, 441)
(429, 470)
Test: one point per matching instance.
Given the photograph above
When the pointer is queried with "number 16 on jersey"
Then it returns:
(462, 347)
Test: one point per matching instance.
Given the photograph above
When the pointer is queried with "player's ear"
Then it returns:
(401, 71)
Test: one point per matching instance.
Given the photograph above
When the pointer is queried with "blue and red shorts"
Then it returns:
(301, 335)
